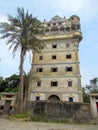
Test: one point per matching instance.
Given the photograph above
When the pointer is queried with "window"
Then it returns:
(67, 45)
(96, 97)
(70, 83)
(70, 99)
(68, 69)
(54, 29)
(68, 56)
(60, 23)
(37, 98)
(54, 24)
(10, 107)
(2, 107)
(46, 30)
(39, 83)
(40, 57)
(54, 46)
(39, 69)
(54, 69)
(73, 27)
(54, 57)
(49, 24)
(67, 29)
(54, 83)
(62, 29)
(78, 27)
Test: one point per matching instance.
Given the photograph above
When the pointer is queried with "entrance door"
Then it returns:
(37, 98)
(7, 106)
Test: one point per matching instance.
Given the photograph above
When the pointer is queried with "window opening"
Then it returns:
(96, 97)
(69, 83)
(54, 46)
(67, 29)
(54, 69)
(68, 56)
(2, 107)
(70, 99)
(62, 28)
(68, 69)
(60, 23)
(39, 69)
(37, 98)
(54, 57)
(49, 24)
(40, 57)
(54, 83)
(39, 83)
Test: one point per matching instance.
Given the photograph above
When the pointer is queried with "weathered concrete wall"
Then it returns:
(60, 110)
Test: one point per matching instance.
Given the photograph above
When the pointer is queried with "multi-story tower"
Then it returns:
(57, 66)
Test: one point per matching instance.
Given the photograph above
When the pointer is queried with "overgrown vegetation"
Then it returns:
(91, 88)
(9, 84)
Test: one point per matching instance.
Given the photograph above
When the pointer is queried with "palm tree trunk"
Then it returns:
(20, 90)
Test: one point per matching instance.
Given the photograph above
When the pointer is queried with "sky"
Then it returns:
(87, 10)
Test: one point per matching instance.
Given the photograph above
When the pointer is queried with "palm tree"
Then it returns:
(21, 33)
(27, 79)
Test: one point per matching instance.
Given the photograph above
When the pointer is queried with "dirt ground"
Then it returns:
(17, 125)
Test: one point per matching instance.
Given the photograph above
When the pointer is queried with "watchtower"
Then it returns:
(57, 66)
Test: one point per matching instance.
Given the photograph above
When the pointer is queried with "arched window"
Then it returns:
(54, 29)
(62, 29)
(73, 27)
(67, 29)
(54, 98)
(47, 30)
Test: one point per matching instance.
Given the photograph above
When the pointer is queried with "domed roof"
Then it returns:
(74, 16)
(56, 18)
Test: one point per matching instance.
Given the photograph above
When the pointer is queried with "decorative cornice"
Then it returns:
(71, 35)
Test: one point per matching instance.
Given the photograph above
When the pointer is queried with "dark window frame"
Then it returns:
(39, 83)
(70, 99)
(69, 69)
(54, 46)
(69, 83)
(53, 57)
(54, 83)
(39, 69)
(68, 56)
(54, 69)
(37, 98)
(96, 97)
(40, 57)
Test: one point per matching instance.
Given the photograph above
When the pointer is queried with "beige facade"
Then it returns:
(57, 66)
